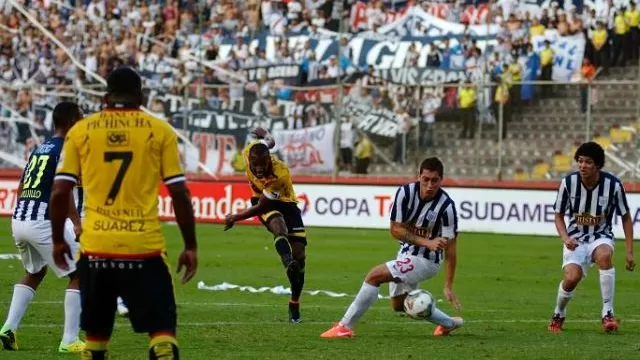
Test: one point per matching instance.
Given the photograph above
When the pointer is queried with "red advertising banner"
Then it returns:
(211, 201)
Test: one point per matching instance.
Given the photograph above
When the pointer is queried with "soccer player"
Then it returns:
(275, 202)
(590, 197)
(31, 228)
(424, 220)
(123, 154)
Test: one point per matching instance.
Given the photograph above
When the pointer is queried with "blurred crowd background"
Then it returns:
(496, 88)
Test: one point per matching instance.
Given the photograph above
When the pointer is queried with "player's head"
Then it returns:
(65, 114)
(590, 158)
(260, 160)
(430, 176)
(124, 87)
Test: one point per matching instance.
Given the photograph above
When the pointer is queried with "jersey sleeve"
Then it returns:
(562, 198)
(69, 162)
(171, 170)
(620, 199)
(450, 222)
(400, 206)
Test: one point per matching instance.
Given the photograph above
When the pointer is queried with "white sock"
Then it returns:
(607, 288)
(367, 295)
(440, 318)
(563, 299)
(72, 309)
(22, 295)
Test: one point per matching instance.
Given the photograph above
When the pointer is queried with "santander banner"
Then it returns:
(361, 206)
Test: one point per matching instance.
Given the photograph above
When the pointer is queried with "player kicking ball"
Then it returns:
(31, 227)
(275, 203)
(590, 197)
(424, 220)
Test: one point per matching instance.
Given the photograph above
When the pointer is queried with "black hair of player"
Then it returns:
(65, 114)
(432, 164)
(591, 150)
(259, 150)
(124, 87)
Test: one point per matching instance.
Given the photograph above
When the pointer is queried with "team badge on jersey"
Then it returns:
(117, 138)
(603, 201)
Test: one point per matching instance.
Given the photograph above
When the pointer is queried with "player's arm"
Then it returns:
(404, 232)
(263, 205)
(264, 136)
(622, 207)
(174, 179)
(61, 200)
(450, 234)
(560, 209)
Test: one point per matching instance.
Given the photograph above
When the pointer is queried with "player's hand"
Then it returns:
(229, 221)
(259, 132)
(77, 229)
(452, 298)
(62, 252)
(570, 243)
(631, 263)
(189, 260)
(436, 244)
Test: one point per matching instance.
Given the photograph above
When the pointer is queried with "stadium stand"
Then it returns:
(225, 60)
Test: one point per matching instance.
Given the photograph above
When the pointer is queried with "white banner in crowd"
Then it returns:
(568, 50)
(307, 150)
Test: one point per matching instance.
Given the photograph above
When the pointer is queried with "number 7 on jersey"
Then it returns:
(126, 157)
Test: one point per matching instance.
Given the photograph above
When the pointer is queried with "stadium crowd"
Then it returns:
(158, 37)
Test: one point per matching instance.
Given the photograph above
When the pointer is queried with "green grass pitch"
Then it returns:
(507, 286)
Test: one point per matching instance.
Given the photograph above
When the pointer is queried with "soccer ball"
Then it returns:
(418, 304)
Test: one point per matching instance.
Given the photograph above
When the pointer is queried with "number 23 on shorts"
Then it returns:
(404, 265)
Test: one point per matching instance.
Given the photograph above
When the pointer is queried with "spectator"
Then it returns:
(363, 153)
(467, 106)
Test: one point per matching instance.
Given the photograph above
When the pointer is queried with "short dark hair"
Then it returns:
(259, 149)
(65, 113)
(592, 150)
(123, 82)
(432, 164)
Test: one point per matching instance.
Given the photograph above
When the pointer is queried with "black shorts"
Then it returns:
(292, 217)
(146, 287)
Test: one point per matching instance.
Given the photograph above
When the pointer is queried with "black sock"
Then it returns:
(301, 280)
(296, 286)
(283, 248)
(94, 355)
(164, 351)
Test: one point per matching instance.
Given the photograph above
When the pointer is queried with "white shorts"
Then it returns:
(582, 255)
(34, 243)
(409, 271)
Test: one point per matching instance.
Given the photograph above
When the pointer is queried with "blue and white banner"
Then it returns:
(568, 50)
(386, 48)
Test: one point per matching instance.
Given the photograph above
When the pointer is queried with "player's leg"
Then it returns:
(98, 292)
(367, 296)
(602, 255)
(573, 267)
(419, 269)
(298, 246)
(23, 293)
(71, 342)
(149, 294)
(25, 289)
(297, 237)
(276, 224)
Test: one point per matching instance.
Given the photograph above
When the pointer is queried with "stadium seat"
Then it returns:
(520, 175)
(618, 135)
(561, 162)
(540, 170)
